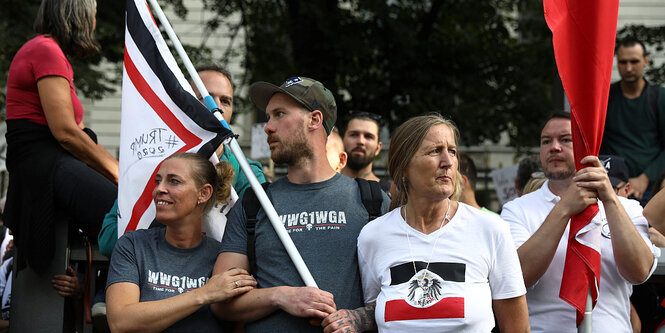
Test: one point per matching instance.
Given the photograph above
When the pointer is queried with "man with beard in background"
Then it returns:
(362, 145)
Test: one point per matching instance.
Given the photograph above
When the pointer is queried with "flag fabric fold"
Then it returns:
(160, 117)
(583, 36)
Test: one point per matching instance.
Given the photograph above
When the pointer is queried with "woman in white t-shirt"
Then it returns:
(433, 264)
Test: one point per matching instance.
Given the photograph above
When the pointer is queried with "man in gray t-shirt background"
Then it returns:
(323, 213)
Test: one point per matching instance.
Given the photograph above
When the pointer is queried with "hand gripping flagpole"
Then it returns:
(237, 151)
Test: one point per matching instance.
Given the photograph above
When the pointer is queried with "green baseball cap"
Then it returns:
(308, 92)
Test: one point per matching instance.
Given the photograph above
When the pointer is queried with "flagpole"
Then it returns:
(237, 152)
(585, 326)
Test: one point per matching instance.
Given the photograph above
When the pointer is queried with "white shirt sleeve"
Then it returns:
(505, 276)
(370, 281)
(514, 215)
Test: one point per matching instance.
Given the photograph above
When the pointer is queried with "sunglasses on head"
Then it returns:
(537, 175)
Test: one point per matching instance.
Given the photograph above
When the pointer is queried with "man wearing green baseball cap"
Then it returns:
(323, 212)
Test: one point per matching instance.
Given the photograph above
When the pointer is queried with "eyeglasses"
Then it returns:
(365, 114)
(617, 188)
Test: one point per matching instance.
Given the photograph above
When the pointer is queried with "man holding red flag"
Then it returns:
(539, 223)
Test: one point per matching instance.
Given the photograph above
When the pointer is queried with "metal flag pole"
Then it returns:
(237, 152)
(585, 325)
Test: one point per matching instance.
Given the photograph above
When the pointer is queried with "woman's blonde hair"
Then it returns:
(533, 184)
(203, 172)
(404, 144)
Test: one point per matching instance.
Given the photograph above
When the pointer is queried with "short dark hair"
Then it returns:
(559, 114)
(70, 23)
(468, 168)
(363, 115)
(630, 42)
(211, 66)
(525, 169)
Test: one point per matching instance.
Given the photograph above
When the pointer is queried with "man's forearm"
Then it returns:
(363, 318)
(247, 307)
(632, 255)
(358, 320)
(655, 212)
(537, 252)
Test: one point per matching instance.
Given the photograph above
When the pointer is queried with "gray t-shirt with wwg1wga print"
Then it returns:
(161, 270)
(324, 220)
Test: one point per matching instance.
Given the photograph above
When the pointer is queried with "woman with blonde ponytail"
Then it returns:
(434, 264)
(160, 279)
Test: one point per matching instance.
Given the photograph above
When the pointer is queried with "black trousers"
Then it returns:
(83, 193)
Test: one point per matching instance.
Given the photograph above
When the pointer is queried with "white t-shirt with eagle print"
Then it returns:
(474, 262)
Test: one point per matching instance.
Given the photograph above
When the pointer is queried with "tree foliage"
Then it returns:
(654, 38)
(488, 65)
(479, 63)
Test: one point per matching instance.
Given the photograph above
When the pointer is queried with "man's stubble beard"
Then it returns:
(559, 174)
(356, 163)
(293, 151)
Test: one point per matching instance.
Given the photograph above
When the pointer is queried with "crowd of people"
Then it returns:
(415, 253)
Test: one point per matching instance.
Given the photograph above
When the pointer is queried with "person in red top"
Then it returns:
(54, 161)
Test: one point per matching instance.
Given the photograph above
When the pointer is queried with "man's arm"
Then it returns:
(240, 181)
(654, 211)
(108, 234)
(656, 237)
(358, 320)
(307, 302)
(537, 252)
(512, 314)
(632, 255)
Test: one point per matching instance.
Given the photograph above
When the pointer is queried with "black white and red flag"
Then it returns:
(160, 117)
(426, 298)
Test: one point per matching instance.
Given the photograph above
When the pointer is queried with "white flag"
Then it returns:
(160, 117)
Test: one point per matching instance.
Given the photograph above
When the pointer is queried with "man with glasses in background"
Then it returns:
(362, 145)
(617, 171)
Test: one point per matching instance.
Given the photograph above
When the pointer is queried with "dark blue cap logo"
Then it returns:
(292, 81)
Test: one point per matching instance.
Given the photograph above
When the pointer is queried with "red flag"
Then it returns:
(583, 34)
